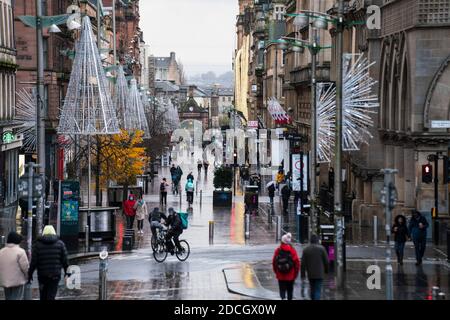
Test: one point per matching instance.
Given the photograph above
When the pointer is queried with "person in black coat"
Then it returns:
(271, 190)
(285, 195)
(401, 235)
(49, 256)
(175, 230)
(418, 229)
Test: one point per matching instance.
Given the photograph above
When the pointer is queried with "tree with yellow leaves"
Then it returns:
(123, 158)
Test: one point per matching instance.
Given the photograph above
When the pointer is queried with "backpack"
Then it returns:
(284, 261)
(190, 187)
(162, 187)
(184, 219)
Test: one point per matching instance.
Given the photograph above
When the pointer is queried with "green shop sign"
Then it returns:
(8, 137)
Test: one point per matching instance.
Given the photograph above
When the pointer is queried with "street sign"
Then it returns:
(440, 124)
(294, 136)
(252, 125)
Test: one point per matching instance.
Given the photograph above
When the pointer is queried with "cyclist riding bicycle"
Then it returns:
(189, 188)
(155, 221)
(175, 230)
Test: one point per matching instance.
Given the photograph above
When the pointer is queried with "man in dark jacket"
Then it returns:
(49, 256)
(315, 264)
(175, 230)
(271, 190)
(285, 195)
(418, 229)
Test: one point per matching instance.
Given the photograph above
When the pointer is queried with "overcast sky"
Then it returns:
(201, 32)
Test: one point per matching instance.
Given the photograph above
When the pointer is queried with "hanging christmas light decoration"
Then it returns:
(88, 108)
(277, 112)
(120, 96)
(358, 106)
(26, 113)
(325, 95)
(134, 116)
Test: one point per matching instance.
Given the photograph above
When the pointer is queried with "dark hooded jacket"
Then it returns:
(49, 256)
(402, 233)
(414, 229)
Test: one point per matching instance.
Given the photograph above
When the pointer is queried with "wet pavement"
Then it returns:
(236, 268)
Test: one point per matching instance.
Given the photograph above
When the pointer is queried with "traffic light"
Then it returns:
(427, 173)
(389, 196)
(446, 170)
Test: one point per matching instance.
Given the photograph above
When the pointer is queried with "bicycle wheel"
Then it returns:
(160, 254)
(184, 253)
(154, 243)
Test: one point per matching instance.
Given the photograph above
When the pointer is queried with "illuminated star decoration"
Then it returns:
(26, 113)
(358, 106)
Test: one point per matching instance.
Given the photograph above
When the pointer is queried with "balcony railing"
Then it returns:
(302, 75)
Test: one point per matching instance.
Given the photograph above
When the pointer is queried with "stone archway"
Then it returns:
(437, 103)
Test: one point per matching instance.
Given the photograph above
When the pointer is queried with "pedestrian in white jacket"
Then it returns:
(141, 214)
(13, 268)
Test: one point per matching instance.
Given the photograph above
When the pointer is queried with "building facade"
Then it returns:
(10, 142)
(166, 69)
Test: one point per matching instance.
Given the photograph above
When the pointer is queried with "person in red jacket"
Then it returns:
(129, 210)
(286, 265)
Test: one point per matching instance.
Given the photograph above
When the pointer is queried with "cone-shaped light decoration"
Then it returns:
(172, 117)
(134, 112)
(88, 108)
(120, 96)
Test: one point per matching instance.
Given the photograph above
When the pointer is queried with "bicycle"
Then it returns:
(160, 253)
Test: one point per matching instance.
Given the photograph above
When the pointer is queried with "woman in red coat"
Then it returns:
(129, 210)
(286, 265)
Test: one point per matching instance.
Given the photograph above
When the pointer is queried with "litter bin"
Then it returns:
(128, 240)
(251, 198)
(327, 239)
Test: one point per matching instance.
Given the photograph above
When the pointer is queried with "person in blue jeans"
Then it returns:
(418, 229)
(315, 265)
(401, 235)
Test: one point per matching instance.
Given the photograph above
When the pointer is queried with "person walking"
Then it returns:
(271, 191)
(286, 265)
(315, 265)
(190, 176)
(49, 256)
(189, 188)
(279, 177)
(401, 234)
(206, 166)
(285, 195)
(163, 192)
(199, 166)
(141, 214)
(13, 268)
(129, 210)
(418, 230)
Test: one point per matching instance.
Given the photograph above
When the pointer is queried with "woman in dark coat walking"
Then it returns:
(401, 235)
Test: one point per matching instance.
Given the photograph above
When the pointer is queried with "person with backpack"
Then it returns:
(49, 256)
(199, 166)
(189, 188)
(190, 176)
(286, 266)
(175, 230)
(163, 191)
(315, 264)
(13, 268)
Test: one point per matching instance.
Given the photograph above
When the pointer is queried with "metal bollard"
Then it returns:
(201, 197)
(247, 226)
(2, 242)
(211, 232)
(278, 228)
(441, 296)
(269, 218)
(86, 238)
(103, 269)
(435, 293)
(375, 229)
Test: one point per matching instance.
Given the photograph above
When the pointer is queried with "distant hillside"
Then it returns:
(210, 78)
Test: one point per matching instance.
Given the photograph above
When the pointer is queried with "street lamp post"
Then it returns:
(40, 124)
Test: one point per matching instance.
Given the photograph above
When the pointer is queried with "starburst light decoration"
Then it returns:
(26, 113)
(358, 106)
